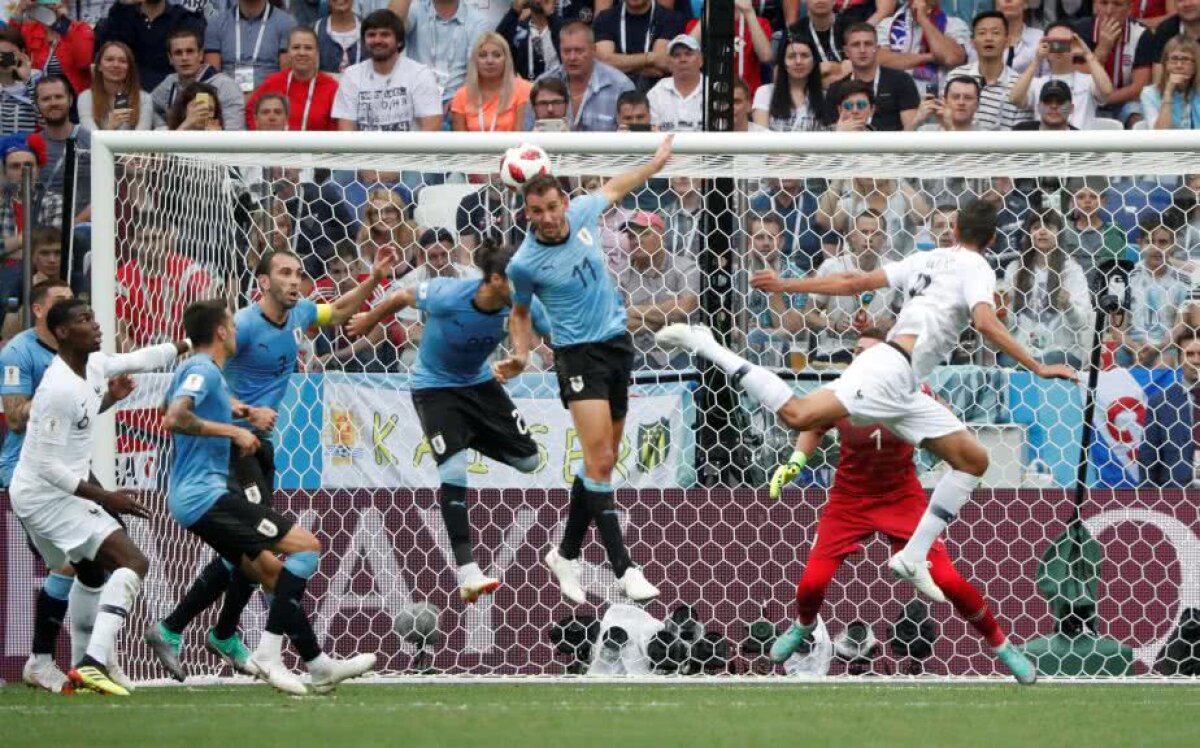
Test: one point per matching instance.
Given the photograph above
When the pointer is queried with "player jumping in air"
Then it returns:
(58, 502)
(875, 489)
(269, 337)
(561, 263)
(459, 402)
(945, 290)
(246, 535)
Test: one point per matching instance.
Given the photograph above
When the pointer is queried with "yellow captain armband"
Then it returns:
(324, 314)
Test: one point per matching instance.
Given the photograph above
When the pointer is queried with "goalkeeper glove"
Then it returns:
(786, 473)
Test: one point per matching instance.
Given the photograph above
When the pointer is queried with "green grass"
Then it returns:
(614, 716)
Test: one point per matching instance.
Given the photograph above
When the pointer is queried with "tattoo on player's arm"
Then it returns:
(182, 419)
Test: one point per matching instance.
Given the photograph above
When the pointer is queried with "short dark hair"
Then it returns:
(48, 80)
(12, 35)
(287, 105)
(202, 318)
(977, 223)
(383, 19)
(184, 32)
(41, 289)
(439, 235)
(853, 88)
(740, 83)
(1186, 335)
(981, 17)
(874, 333)
(550, 83)
(765, 218)
(632, 97)
(858, 27)
(302, 30)
(576, 26)
(540, 184)
(1171, 219)
(43, 235)
(491, 257)
(265, 262)
(968, 80)
(1061, 24)
(62, 311)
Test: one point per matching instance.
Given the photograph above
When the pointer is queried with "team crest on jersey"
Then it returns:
(438, 442)
(253, 495)
(576, 384)
(653, 444)
(193, 383)
(267, 528)
(585, 236)
(12, 376)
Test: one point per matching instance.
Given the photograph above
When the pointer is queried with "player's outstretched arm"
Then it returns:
(806, 443)
(520, 331)
(834, 284)
(119, 388)
(181, 418)
(363, 322)
(615, 189)
(146, 359)
(984, 318)
(344, 307)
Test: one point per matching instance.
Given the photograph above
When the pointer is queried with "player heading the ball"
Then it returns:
(561, 264)
(945, 291)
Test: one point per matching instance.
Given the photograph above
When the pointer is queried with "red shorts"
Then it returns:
(846, 521)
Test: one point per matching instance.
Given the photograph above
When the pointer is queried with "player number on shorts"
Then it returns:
(877, 435)
(522, 427)
(577, 271)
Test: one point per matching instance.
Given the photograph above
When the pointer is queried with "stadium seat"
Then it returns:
(437, 205)
(1104, 123)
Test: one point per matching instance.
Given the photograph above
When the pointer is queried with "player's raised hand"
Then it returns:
(262, 419)
(506, 369)
(1057, 371)
(123, 502)
(767, 280)
(385, 262)
(362, 323)
(786, 473)
(121, 387)
(246, 441)
(663, 153)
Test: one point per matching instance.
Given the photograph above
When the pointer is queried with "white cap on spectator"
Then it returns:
(686, 40)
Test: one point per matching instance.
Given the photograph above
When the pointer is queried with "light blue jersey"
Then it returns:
(266, 353)
(458, 336)
(200, 466)
(571, 279)
(23, 362)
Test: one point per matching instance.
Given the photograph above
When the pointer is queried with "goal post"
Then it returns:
(184, 213)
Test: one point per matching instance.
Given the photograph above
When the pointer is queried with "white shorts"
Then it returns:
(879, 387)
(68, 529)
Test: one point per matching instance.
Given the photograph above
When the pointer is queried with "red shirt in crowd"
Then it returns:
(747, 65)
(151, 304)
(324, 88)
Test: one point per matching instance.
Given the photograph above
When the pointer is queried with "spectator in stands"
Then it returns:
(1172, 102)
(1090, 237)
(940, 223)
(1059, 47)
(836, 320)
(893, 94)
(923, 40)
(659, 287)
(823, 30)
(59, 47)
(493, 99)
(855, 107)
(989, 33)
(775, 324)
(1049, 304)
(1187, 201)
(197, 107)
(1054, 109)
(682, 210)
(441, 35)
(271, 112)
(633, 112)
(53, 96)
(677, 102)
(1168, 448)
(248, 42)
(154, 285)
(531, 28)
(1158, 295)
(1020, 49)
(339, 37)
(796, 206)
(488, 212)
(306, 12)
(870, 12)
(548, 101)
(388, 92)
(902, 208)
(116, 100)
(386, 221)
(793, 101)
(147, 28)
(185, 50)
(336, 349)
(47, 254)
(632, 36)
(310, 92)
(17, 79)
(20, 151)
(434, 259)
(1185, 22)
(742, 108)
(752, 47)
(592, 86)
(1116, 40)
(956, 110)
(1152, 13)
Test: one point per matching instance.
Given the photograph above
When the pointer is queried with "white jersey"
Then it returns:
(940, 287)
(57, 452)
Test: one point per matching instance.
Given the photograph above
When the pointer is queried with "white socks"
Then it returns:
(468, 572)
(769, 390)
(319, 663)
(116, 598)
(951, 492)
(270, 646)
(82, 604)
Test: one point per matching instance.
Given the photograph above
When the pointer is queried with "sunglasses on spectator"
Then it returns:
(859, 104)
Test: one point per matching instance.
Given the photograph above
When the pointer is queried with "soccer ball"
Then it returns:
(521, 163)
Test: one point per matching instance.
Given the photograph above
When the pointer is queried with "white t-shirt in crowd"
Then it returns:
(392, 102)
(671, 111)
(1083, 96)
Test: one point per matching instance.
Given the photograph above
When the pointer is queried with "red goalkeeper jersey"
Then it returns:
(874, 461)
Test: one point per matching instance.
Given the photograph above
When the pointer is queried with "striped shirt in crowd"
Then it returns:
(17, 112)
(995, 112)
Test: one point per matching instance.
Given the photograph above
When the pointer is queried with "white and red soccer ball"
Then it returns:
(521, 164)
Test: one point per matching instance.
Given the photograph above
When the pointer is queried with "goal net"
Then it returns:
(1099, 583)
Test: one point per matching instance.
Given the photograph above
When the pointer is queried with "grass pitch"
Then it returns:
(612, 715)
